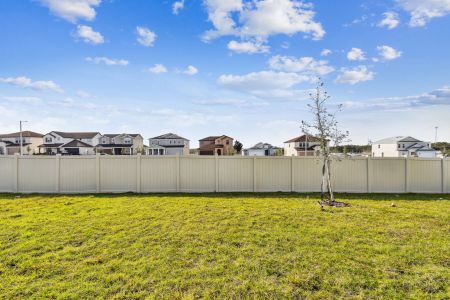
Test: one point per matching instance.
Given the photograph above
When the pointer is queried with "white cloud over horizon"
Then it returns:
(356, 54)
(88, 35)
(145, 36)
(305, 65)
(107, 61)
(158, 69)
(388, 53)
(355, 75)
(72, 10)
(390, 20)
(423, 11)
(25, 82)
(249, 47)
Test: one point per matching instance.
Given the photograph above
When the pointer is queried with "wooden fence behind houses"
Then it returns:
(147, 174)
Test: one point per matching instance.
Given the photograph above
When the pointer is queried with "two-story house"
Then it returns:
(262, 149)
(402, 146)
(304, 145)
(168, 144)
(30, 142)
(120, 144)
(70, 143)
(219, 144)
(2, 148)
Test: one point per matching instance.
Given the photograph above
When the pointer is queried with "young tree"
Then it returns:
(238, 146)
(325, 127)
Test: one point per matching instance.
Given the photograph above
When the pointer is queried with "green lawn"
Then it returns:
(224, 246)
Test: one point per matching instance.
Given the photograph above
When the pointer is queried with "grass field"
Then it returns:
(224, 246)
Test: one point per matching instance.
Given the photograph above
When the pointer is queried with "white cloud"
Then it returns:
(107, 61)
(72, 10)
(325, 52)
(422, 11)
(306, 65)
(177, 6)
(248, 47)
(88, 35)
(190, 70)
(355, 75)
(388, 53)
(231, 102)
(26, 82)
(356, 54)
(146, 37)
(264, 80)
(83, 94)
(158, 69)
(390, 20)
(25, 100)
(261, 18)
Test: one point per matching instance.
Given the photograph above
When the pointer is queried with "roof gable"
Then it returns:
(169, 136)
(76, 135)
(26, 133)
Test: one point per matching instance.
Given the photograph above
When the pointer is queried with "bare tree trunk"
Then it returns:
(330, 185)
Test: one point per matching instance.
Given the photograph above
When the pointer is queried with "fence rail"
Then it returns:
(145, 174)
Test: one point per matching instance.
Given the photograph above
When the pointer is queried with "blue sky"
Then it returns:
(235, 67)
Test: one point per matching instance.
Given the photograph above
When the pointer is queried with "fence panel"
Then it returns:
(197, 174)
(158, 174)
(388, 175)
(235, 174)
(77, 174)
(424, 175)
(307, 174)
(350, 175)
(446, 179)
(7, 177)
(37, 175)
(118, 174)
(272, 174)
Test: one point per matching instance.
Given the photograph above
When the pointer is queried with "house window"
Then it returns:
(48, 140)
(378, 146)
(104, 141)
(228, 142)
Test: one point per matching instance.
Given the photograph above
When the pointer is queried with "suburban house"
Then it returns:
(30, 142)
(168, 144)
(220, 145)
(402, 146)
(2, 148)
(120, 144)
(262, 149)
(304, 145)
(70, 143)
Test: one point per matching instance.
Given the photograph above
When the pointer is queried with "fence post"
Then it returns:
(216, 158)
(254, 173)
(443, 177)
(97, 172)
(16, 173)
(406, 175)
(58, 173)
(178, 172)
(138, 173)
(369, 169)
(292, 174)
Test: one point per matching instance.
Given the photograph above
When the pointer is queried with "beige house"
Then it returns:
(30, 142)
(220, 145)
(304, 145)
(120, 144)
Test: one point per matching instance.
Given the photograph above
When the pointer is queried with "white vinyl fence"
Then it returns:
(145, 174)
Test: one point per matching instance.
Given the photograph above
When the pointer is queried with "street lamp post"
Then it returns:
(20, 136)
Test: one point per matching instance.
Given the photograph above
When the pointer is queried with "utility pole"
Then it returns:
(435, 134)
(20, 136)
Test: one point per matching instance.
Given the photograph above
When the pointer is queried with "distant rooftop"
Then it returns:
(171, 136)
(24, 134)
(396, 139)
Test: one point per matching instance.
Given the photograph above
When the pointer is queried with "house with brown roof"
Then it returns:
(218, 144)
(70, 143)
(30, 142)
(120, 144)
(304, 145)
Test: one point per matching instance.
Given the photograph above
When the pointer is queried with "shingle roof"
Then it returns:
(396, 139)
(263, 146)
(170, 135)
(24, 134)
(214, 137)
(76, 144)
(76, 135)
(303, 138)
(111, 135)
(114, 145)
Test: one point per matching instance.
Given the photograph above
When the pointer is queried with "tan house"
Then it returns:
(120, 144)
(30, 142)
(304, 145)
(220, 145)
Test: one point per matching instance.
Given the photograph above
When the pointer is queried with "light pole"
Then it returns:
(20, 136)
(435, 134)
